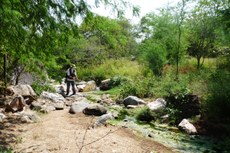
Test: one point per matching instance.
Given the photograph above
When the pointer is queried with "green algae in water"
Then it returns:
(179, 142)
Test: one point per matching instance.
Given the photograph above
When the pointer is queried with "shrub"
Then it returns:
(38, 88)
(218, 101)
(153, 54)
(146, 115)
(111, 68)
(141, 88)
(122, 113)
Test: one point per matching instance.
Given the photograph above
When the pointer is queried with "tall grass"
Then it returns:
(111, 68)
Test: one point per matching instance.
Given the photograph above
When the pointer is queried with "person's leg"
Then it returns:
(68, 86)
(73, 87)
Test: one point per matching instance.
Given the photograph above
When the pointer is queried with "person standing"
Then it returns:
(71, 78)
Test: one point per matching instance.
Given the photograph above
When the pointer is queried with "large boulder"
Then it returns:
(25, 90)
(54, 97)
(95, 109)
(25, 78)
(186, 126)
(133, 100)
(22, 89)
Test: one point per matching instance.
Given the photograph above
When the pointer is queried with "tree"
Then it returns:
(203, 25)
(164, 31)
(179, 20)
(33, 29)
(101, 38)
(153, 55)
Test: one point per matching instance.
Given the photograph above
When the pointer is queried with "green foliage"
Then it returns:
(218, 102)
(39, 88)
(141, 87)
(101, 38)
(146, 115)
(222, 145)
(115, 69)
(224, 62)
(153, 55)
(117, 81)
(122, 114)
(5, 150)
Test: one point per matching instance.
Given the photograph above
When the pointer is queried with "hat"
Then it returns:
(73, 65)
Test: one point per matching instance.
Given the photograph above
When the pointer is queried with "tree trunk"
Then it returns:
(5, 74)
(198, 62)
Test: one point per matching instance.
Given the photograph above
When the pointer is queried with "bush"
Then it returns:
(111, 68)
(153, 54)
(39, 88)
(141, 88)
(218, 101)
(146, 115)
(122, 114)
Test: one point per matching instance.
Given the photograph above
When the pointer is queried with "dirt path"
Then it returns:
(61, 132)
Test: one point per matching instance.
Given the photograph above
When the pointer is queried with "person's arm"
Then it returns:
(75, 74)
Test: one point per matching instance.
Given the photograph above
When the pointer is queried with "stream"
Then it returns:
(178, 141)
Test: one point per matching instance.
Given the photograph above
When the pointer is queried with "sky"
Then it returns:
(146, 6)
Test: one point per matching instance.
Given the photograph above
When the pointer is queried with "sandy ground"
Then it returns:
(61, 132)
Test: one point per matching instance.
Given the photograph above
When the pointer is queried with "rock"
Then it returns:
(58, 106)
(87, 86)
(95, 109)
(60, 89)
(2, 116)
(54, 97)
(29, 99)
(158, 105)
(25, 78)
(105, 99)
(90, 86)
(22, 89)
(132, 106)
(102, 119)
(36, 105)
(105, 84)
(17, 104)
(187, 127)
(78, 107)
(47, 109)
(30, 117)
(81, 87)
(133, 100)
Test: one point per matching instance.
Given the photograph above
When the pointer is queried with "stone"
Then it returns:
(157, 105)
(78, 107)
(95, 109)
(17, 104)
(133, 100)
(186, 126)
(102, 119)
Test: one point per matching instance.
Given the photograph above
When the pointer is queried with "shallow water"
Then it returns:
(179, 142)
